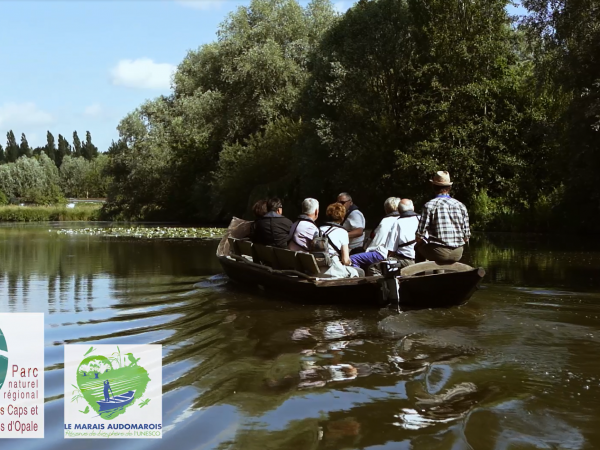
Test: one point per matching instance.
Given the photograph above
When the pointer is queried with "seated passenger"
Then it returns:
(444, 229)
(353, 222)
(304, 228)
(259, 209)
(338, 245)
(272, 228)
(402, 248)
(380, 245)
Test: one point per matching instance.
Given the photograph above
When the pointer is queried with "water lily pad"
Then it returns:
(148, 232)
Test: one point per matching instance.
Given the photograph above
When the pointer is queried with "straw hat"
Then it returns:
(441, 178)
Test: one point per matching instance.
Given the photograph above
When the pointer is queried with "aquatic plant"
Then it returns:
(116, 357)
(76, 394)
(148, 232)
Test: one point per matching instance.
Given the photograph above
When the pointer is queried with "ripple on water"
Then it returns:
(513, 368)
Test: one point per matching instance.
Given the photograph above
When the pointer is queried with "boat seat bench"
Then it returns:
(277, 258)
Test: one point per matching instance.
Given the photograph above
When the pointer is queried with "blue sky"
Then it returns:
(84, 64)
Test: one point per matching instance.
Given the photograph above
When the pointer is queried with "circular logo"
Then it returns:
(3, 358)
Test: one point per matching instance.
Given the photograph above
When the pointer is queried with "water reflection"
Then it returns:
(514, 368)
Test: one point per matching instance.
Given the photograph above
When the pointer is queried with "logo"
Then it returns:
(113, 391)
(3, 358)
(22, 375)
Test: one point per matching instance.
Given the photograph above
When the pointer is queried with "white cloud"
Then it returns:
(342, 7)
(201, 4)
(23, 115)
(142, 73)
(94, 110)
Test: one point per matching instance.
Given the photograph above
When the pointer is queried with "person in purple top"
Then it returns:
(444, 226)
(304, 229)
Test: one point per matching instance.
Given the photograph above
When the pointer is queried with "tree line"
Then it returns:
(55, 151)
(301, 101)
(45, 175)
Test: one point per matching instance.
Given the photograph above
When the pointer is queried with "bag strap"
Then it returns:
(330, 242)
(350, 210)
(406, 244)
(293, 234)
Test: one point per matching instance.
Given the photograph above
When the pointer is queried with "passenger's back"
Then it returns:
(272, 229)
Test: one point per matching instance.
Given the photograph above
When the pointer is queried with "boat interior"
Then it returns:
(304, 264)
(273, 257)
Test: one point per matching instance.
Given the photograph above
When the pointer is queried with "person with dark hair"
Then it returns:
(260, 208)
(272, 228)
(353, 222)
(444, 226)
(339, 251)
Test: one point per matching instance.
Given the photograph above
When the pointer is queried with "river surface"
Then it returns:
(517, 367)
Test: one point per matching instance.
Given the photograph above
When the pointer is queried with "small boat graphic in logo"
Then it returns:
(111, 401)
(109, 384)
(3, 359)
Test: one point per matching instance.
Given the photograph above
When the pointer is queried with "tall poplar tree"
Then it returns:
(12, 148)
(50, 148)
(90, 151)
(64, 149)
(76, 145)
(24, 149)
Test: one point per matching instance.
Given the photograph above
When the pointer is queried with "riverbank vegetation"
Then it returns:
(302, 101)
(54, 213)
(39, 181)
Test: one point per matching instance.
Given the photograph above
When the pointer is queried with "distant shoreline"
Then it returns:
(55, 213)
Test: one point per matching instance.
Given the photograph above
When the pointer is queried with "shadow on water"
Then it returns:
(514, 368)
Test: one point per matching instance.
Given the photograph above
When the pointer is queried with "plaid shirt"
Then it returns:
(446, 220)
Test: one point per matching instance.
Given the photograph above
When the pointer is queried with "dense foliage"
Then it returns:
(45, 175)
(296, 102)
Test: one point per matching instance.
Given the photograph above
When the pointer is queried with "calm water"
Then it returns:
(515, 368)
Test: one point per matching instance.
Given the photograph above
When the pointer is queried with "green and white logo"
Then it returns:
(21, 375)
(3, 358)
(113, 391)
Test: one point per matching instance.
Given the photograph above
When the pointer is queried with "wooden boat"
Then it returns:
(296, 275)
(117, 401)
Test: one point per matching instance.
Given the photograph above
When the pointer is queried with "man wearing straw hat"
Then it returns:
(444, 226)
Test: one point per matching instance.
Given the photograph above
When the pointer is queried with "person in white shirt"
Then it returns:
(353, 222)
(338, 244)
(381, 243)
(304, 229)
(403, 237)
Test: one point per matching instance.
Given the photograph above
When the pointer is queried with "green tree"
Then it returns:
(31, 179)
(566, 35)
(224, 93)
(402, 88)
(82, 178)
(89, 150)
(50, 148)
(2, 155)
(24, 149)
(12, 148)
(77, 148)
(73, 176)
(64, 149)
(96, 181)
